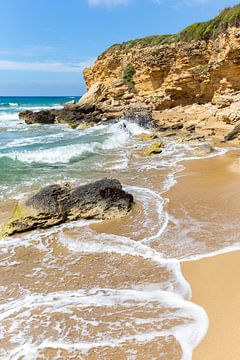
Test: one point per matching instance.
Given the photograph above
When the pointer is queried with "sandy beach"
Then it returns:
(215, 283)
(212, 187)
(114, 289)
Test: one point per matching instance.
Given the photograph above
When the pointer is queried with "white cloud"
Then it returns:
(108, 3)
(53, 67)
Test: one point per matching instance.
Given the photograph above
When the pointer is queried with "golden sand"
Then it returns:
(213, 184)
(207, 191)
(215, 283)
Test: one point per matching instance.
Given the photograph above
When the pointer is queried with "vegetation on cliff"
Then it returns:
(128, 74)
(207, 30)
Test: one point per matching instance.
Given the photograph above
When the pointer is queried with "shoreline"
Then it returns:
(193, 188)
(215, 283)
(214, 277)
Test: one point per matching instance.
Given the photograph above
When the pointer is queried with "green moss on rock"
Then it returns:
(155, 148)
(201, 69)
(84, 126)
(146, 137)
(8, 228)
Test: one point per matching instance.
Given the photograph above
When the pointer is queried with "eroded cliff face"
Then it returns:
(168, 76)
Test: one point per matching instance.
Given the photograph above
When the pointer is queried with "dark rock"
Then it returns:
(233, 134)
(56, 204)
(163, 127)
(69, 116)
(140, 114)
(87, 108)
(174, 127)
(194, 138)
(177, 126)
(72, 116)
(191, 128)
(38, 117)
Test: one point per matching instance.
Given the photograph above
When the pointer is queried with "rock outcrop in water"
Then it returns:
(56, 204)
(71, 115)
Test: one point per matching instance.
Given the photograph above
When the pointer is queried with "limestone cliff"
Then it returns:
(192, 78)
(170, 75)
(200, 66)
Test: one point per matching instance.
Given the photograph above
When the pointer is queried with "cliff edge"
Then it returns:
(193, 76)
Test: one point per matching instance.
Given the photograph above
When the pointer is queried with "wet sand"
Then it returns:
(215, 283)
(213, 185)
(65, 270)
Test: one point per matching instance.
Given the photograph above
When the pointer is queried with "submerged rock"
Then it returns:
(155, 148)
(56, 204)
(203, 150)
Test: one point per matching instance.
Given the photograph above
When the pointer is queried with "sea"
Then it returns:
(97, 289)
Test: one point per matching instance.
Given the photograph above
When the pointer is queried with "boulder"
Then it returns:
(155, 148)
(203, 150)
(146, 137)
(162, 127)
(191, 128)
(56, 204)
(233, 134)
(84, 126)
(71, 116)
(38, 117)
(177, 126)
(139, 113)
(174, 127)
(93, 95)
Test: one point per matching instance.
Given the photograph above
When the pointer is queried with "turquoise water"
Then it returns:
(34, 155)
(15, 103)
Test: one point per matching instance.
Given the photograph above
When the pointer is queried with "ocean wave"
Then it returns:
(61, 154)
(6, 116)
(39, 107)
(8, 104)
(115, 136)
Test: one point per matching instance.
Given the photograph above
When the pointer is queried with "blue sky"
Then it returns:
(45, 44)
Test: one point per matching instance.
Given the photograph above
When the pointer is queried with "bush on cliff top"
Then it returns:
(210, 29)
(207, 30)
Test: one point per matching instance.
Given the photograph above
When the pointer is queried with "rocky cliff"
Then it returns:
(192, 77)
(194, 73)
(166, 76)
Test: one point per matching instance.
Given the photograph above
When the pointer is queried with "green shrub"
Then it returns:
(128, 74)
(201, 69)
(199, 31)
